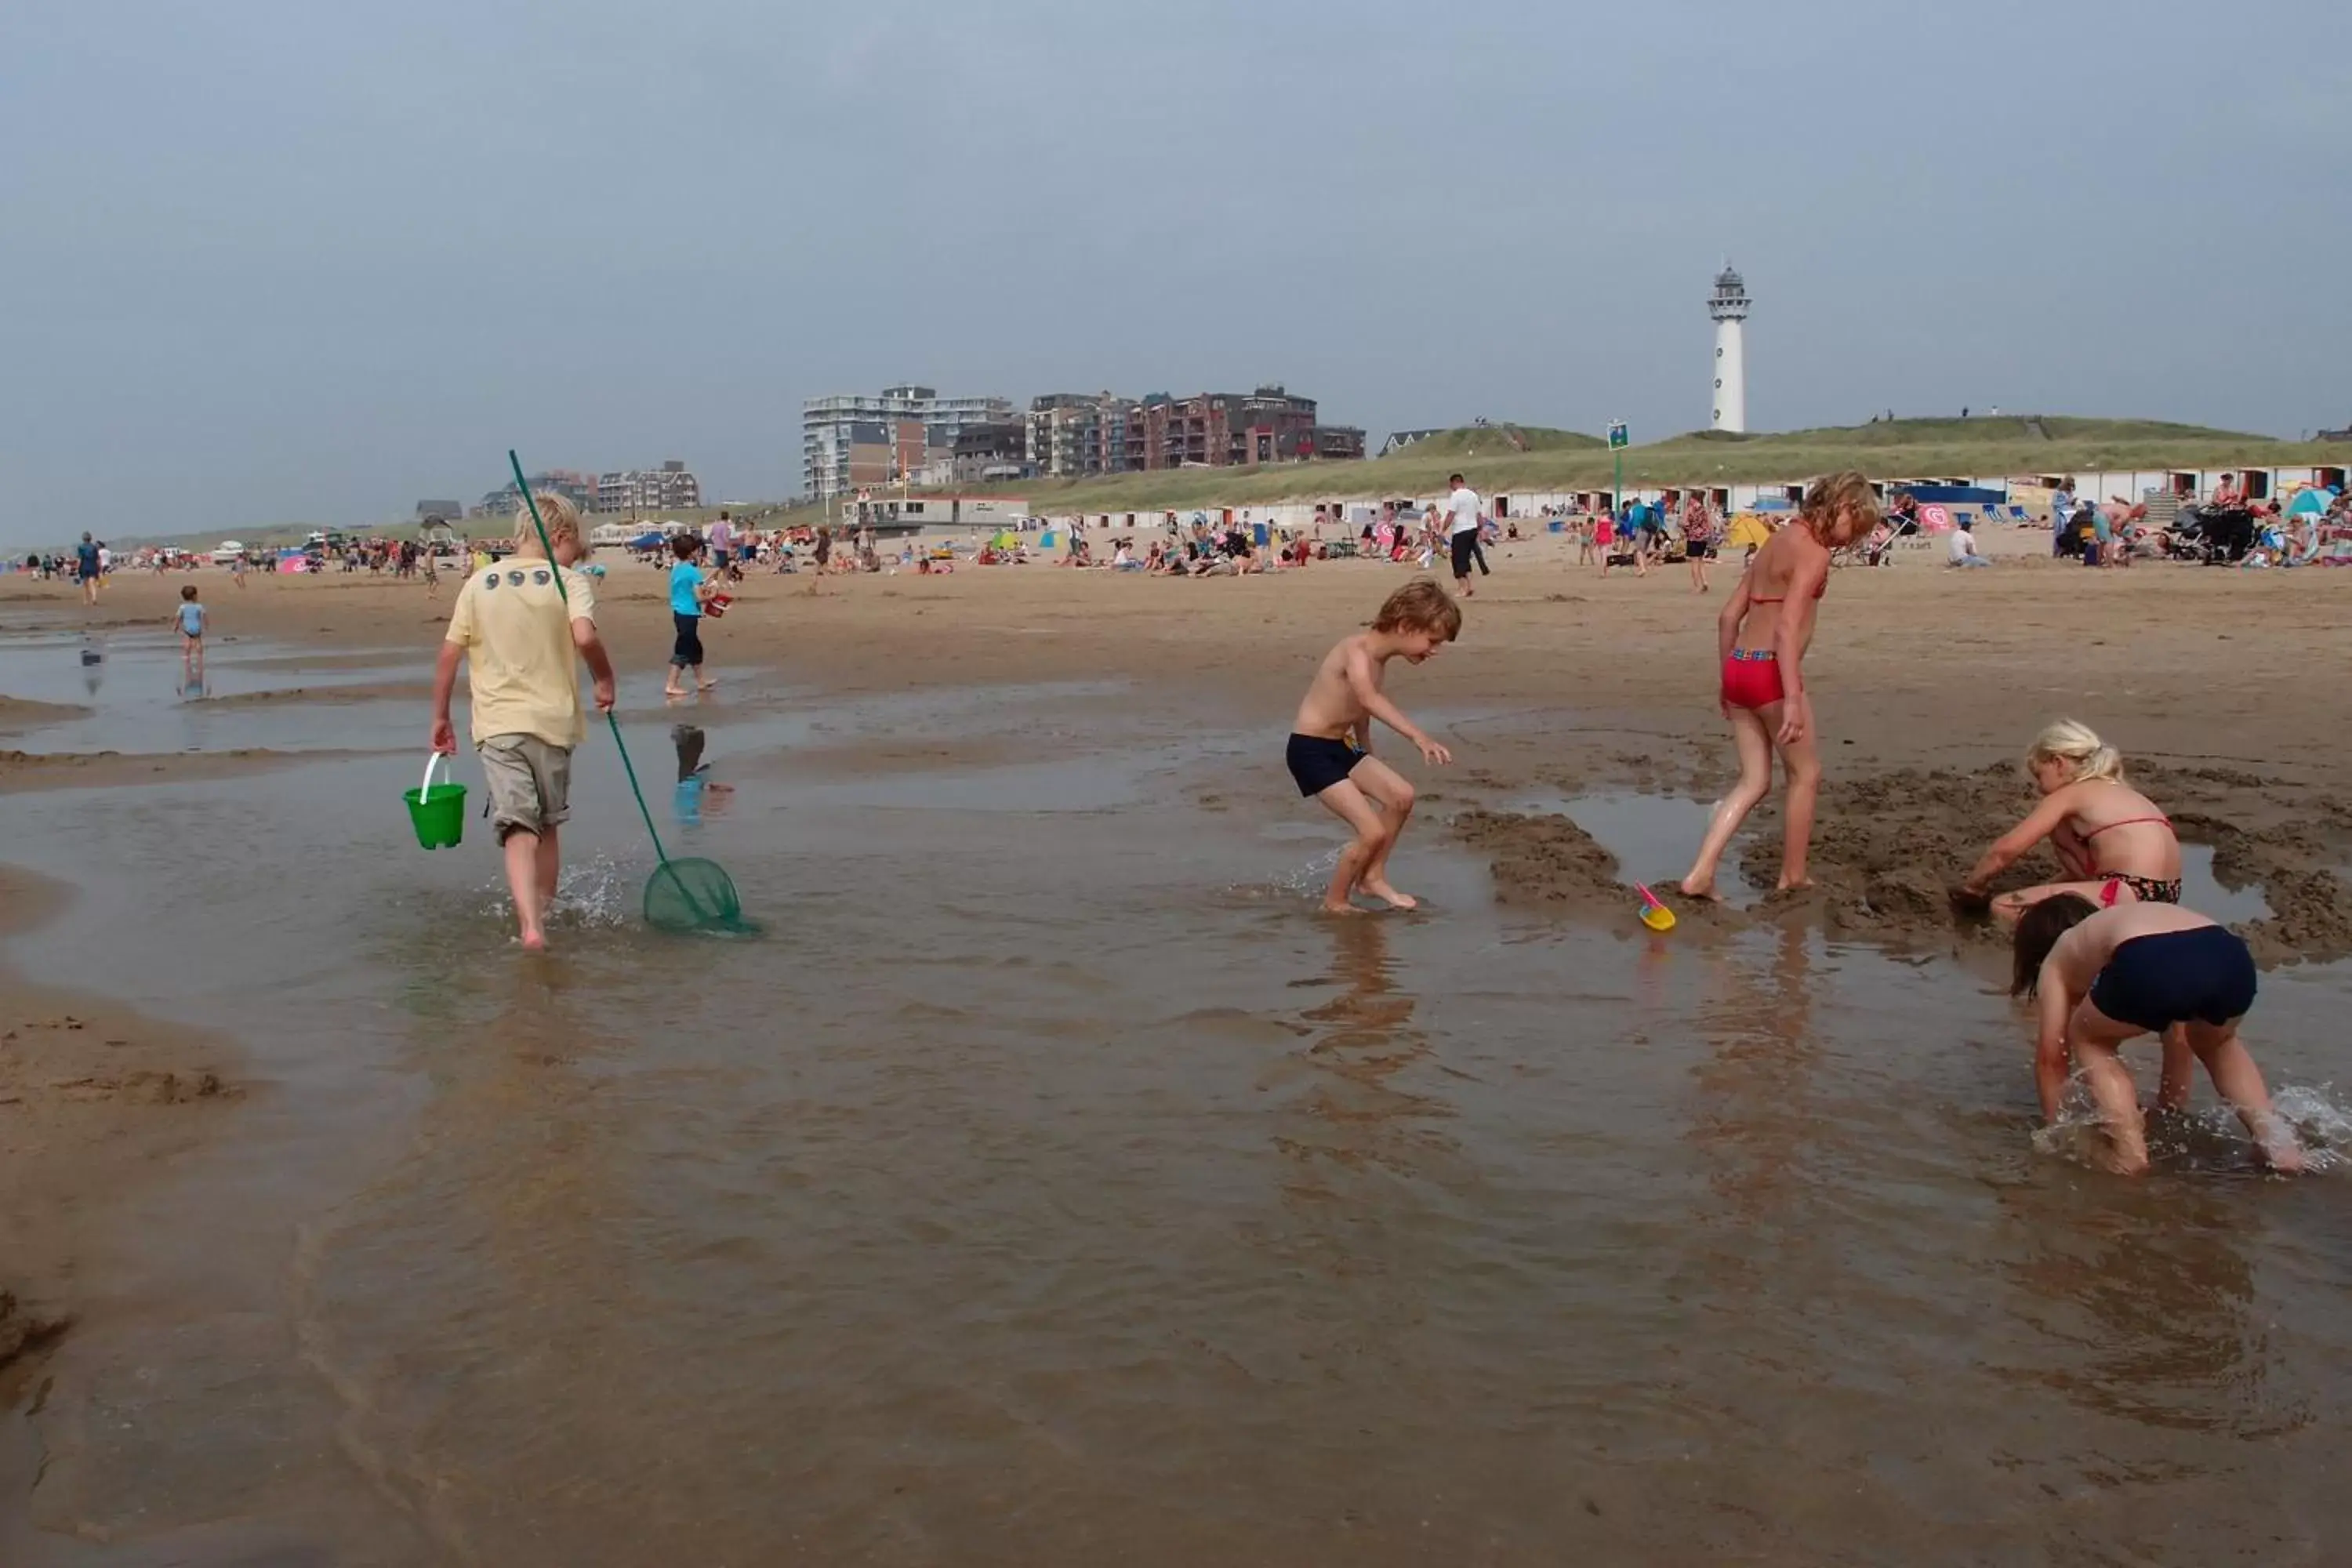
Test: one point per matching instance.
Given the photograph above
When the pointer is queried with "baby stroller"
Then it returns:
(2068, 541)
(2213, 537)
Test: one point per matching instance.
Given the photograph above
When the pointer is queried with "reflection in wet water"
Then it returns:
(1052, 1184)
(2146, 1309)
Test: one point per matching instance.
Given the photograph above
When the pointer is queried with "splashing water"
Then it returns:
(598, 893)
(2321, 1119)
(1310, 880)
(2209, 1137)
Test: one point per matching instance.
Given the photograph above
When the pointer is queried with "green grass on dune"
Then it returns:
(1499, 440)
(1902, 449)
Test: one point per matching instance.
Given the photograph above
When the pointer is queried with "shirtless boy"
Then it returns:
(2104, 977)
(1330, 751)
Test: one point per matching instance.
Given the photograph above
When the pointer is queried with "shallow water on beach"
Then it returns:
(1051, 1183)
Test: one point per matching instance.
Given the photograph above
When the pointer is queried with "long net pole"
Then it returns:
(610, 718)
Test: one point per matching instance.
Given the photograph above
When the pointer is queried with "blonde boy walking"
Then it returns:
(520, 638)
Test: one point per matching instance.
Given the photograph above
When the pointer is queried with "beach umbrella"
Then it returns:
(2311, 499)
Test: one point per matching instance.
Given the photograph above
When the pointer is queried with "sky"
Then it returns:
(272, 260)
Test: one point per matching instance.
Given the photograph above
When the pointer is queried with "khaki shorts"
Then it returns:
(530, 784)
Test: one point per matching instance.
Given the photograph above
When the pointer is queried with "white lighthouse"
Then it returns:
(1728, 306)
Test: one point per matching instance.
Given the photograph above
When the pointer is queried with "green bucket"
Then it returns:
(437, 814)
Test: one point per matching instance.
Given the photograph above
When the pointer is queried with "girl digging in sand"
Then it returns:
(1330, 749)
(1762, 636)
(2100, 977)
(2116, 846)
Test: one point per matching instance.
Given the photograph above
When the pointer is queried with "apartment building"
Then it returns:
(669, 488)
(573, 486)
(1072, 435)
(1220, 430)
(843, 435)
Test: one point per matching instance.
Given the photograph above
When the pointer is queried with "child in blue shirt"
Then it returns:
(192, 635)
(689, 590)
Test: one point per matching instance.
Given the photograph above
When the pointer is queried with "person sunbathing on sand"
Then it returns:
(2100, 977)
(1761, 637)
(2116, 844)
(1330, 750)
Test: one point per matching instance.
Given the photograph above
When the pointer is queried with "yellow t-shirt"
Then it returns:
(519, 660)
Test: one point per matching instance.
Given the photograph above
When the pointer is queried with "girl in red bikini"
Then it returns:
(2115, 843)
(1762, 636)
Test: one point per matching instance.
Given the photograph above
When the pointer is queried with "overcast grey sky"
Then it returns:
(274, 261)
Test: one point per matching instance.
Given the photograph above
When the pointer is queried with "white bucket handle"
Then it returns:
(424, 790)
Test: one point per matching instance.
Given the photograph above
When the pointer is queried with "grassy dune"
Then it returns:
(1904, 449)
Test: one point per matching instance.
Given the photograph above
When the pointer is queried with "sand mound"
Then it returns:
(1542, 859)
(1887, 848)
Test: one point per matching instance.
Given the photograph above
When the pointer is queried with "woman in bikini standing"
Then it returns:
(2116, 846)
(1761, 636)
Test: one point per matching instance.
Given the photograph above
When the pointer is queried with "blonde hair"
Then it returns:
(562, 520)
(2078, 746)
(1420, 606)
(1840, 499)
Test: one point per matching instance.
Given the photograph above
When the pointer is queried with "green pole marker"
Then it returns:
(1617, 442)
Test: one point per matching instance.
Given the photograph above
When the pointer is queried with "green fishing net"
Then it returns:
(694, 895)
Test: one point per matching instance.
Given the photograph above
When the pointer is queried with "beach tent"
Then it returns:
(2313, 501)
(648, 540)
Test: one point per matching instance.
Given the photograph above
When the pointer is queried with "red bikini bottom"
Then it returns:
(1752, 678)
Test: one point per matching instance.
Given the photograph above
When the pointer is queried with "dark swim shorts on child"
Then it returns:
(1318, 761)
(2203, 975)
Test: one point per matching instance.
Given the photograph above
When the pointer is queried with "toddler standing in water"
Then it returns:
(1330, 749)
(192, 635)
(2104, 977)
(1762, 638)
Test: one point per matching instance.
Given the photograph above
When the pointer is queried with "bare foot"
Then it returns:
(1390, 896)
(2285, 1158)
(534, 942)
(1785, 886)
(704, 685)
(1331, 908)
(1693, 889)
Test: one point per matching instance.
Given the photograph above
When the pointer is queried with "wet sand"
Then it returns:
(1053, 1183)
(95, 1099)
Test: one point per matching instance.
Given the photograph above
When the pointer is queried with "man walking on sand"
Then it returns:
(521, 637)
(1461, 509)
(86, 567)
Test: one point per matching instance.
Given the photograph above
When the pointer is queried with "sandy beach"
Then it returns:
(1059, 1173)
